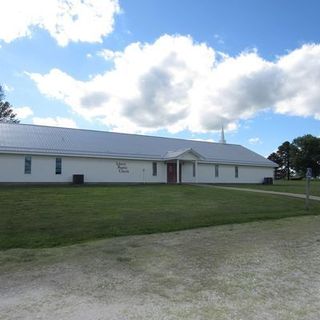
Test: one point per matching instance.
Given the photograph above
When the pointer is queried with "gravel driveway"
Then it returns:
(263, 270)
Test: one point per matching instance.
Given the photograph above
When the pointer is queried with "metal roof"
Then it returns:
(34, 139)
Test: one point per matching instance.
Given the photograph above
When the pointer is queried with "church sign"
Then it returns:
(122, 167)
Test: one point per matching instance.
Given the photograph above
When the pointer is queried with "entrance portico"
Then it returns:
(176, 162)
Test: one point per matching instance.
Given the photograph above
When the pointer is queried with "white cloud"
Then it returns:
(299, 93)
(255, 141)
(109, 54)
(55, 122)
(65, 20)
(23, 112)
(177, 84)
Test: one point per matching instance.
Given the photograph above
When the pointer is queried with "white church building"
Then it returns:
(41, 154)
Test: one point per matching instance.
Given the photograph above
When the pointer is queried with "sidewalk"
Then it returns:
(287, 194)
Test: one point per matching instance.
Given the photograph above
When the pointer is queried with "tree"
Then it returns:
(6, 111)
(284, 152)
(282, 157)
(276, 158)
(306, 154)
(302, 153)
(279, 172)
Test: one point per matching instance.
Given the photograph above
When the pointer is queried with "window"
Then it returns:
(58, 165)
(236, 171)
(27, 165)
(154, 169)
(193, 169)
(216, 170)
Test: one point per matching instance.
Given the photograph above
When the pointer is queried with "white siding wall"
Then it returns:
(94, 170)
(187, 173)
(206, 173)
(254, 174)
(106, 170)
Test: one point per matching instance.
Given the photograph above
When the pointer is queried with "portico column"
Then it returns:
(178, 172)
(196, 169)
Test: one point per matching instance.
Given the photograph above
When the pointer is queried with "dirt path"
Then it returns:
(263, 270)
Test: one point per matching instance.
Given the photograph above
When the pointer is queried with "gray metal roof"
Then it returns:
(34, 139)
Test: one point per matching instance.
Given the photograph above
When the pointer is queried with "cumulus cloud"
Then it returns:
(65, 20)
(300, 79)
(23, 112)
(55, 122)
(177, 84)
(94, 99)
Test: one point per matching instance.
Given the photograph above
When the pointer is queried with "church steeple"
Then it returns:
(222, 139)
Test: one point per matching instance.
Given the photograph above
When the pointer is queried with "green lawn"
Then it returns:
(292, 186)
(48, 216)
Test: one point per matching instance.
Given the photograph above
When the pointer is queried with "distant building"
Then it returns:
(40, 154)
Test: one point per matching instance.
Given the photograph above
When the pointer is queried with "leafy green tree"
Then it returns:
(302, 153)
(284, 152)
(276, 158)
(6, 111)
(306, 154)
(278, 172)
(283, 158)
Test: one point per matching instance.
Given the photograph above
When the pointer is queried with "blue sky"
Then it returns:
(168, 68)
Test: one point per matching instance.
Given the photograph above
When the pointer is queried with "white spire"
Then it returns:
(222, 139)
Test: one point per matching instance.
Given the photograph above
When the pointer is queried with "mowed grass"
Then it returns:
(47, 216)
(291, 186)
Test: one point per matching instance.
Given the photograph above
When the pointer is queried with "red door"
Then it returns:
(171, 172)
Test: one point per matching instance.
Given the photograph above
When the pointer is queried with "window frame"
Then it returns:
(216, 171)
(27, 165)
(154, 168)
(58, 167)
(236, 172)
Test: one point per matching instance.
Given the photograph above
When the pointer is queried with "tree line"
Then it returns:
(295, 157)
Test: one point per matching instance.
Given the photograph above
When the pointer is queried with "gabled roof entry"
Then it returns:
(170, 155)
